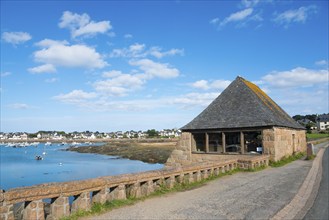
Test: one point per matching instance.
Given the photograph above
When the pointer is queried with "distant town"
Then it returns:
(89, 135)
(312, 123)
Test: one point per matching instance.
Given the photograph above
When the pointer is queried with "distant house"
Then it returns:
(24, 136)
(243, 120)
(322, 122)
(305, 122)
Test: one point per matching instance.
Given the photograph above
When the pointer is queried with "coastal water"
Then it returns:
(18, 166)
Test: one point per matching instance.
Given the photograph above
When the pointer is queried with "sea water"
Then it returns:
(18, 166)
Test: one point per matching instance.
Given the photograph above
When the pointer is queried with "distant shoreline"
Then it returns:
(146, 140)
(148, 151)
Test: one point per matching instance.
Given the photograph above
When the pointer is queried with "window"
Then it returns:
(253, 141)
(199, 142)
(215, 142)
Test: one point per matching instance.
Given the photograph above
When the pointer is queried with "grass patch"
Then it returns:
(98, 208)
(311, 157)
(316, 136)
(286, 160)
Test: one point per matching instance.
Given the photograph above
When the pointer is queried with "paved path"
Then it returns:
(257, 195)
(320, 208)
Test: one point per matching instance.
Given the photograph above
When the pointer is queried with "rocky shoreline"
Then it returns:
(155, 151)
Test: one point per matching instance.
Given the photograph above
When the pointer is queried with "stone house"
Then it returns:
(242, 120)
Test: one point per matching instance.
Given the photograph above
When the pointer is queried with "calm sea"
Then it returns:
(18, 166)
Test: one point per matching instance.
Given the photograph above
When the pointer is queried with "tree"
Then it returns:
(152, 133)
(298, 117)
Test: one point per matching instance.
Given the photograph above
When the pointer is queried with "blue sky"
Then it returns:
(121, 65)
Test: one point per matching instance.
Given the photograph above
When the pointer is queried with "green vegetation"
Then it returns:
(310, 157)
(286, 160)
(152, 133)
(316, 136)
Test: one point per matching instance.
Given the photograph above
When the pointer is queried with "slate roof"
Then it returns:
(323, 118)
(242, 105)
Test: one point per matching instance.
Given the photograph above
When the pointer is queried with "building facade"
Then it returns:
(322, 122)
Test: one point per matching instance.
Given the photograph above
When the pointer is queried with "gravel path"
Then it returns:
(253, 195)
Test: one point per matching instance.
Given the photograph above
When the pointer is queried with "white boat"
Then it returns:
(48, 143)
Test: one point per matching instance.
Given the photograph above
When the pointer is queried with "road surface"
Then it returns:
(320, 208)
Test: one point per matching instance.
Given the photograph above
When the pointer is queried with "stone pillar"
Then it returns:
(170, 182)
(188, 178)
(197, 176)
(59, 207)
(223, 169)
(133, 191)
(117, 193)
(6, 211)
(180, 178)
(224, 142)
(207, 142)
(204, 174)
(310, 150)
(100, 196)
(147, 188)
(158, 183)
(81, 202)
(242, 142)
(34, 210)
(216, 171)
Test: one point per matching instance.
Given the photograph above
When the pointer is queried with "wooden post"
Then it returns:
(223, 142)
(207, 143)
(242, 142)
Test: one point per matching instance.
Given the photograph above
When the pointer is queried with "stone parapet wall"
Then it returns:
(100, 190)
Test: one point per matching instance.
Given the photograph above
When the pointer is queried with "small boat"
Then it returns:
(48, 143)
(38, 157)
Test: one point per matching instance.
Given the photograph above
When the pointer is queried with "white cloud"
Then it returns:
(119, 85)
(249, 3)
(321, 63)
(19, 106)
(153, 69)
(16, 37)
(195, 99)
(4, 74)
(52, 80)
(77, 55)
(48, 43)
(46, 68)
(158, 53)
(112, 73)
(214, 21)
(81, 25)
(128, 36)
(237, 16)
(299, 15)
(135, 50)
(75, 97)
(201, 84)
(296, 77)
(139, 51)
(216, 84)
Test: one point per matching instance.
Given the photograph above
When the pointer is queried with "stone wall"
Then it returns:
(108, 188)
(182, 153)
(279, 142)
